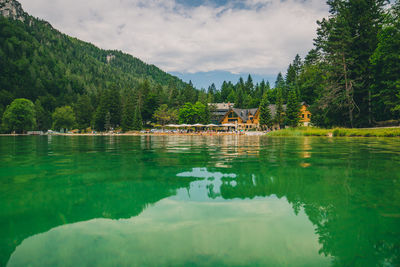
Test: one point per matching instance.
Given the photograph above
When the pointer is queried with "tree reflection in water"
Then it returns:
(349, 188)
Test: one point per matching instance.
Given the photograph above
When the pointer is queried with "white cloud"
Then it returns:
(261, 38)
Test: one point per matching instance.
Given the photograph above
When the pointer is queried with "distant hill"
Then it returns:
(37, 60)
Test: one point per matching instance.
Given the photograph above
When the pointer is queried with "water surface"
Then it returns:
(199, 201)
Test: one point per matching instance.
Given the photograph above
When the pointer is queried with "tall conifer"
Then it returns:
(265, 113)
(137, 120)
(128, 114)
(280, 113)
(292, 109)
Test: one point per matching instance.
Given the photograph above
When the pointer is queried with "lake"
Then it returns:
(199, 201)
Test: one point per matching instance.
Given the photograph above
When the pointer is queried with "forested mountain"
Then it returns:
(52, 69)
(350, 78)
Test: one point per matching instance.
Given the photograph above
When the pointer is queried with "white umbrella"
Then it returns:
(198, 125)
(172, 125)
(229, 125)
(212, 125)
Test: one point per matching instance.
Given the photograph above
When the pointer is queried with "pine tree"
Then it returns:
(128, 114)
(203, 97)
(292, 109)
(107, 124)
(265, 113)
(249, 86)
(101, 112)
(279, 82)
(43, 117)
(297, 65)
(173, 96)
(231, 97)
(239, 99)
(226, 89)
(347, 40)
(334, 38)
(212, 89)
(137, 119)
(261, 89)
(114, 106)
(281, 85)
(291, 75)
(280, 114)
(386, 68)
(83, 112)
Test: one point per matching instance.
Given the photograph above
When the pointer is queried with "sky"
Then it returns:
(203, 40)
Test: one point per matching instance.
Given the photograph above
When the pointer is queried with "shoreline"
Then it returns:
(288, 132)
(337, 132)
(143, 134)
(329, 135)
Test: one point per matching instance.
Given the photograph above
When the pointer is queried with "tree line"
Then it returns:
(116, 109)
(351, 78)
(100, 89)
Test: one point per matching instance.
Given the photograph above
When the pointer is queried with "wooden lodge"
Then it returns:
(244, 119)
(247, 119)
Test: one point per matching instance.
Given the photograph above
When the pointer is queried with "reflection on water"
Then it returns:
(206, 188)
(176, 233)
(199, 201)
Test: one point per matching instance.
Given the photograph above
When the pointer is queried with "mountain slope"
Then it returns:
(37, 60)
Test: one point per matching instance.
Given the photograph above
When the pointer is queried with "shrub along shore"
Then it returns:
(354, 132)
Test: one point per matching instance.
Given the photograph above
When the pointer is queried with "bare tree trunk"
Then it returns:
(348, 89)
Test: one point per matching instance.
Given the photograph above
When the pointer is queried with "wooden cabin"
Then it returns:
(218, 111)
(246, 119)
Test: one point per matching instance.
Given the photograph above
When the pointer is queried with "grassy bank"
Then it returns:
(313, 131)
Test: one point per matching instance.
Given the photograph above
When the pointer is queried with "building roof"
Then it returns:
(222, 106)
(219, 113)
(245, 113)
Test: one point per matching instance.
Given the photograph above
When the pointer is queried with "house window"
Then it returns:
(302, 115)
(308, 115)
(232, 120)
(231, 115)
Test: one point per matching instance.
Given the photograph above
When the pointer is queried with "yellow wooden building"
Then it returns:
(305, 115)
(243, 119)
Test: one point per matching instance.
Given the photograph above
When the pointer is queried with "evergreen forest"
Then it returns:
(101, 87)
(351, 78)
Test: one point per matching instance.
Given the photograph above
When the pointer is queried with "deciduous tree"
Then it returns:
(164, 115)
(63, 118)
(19, 116)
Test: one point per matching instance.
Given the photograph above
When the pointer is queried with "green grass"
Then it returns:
(313, 131)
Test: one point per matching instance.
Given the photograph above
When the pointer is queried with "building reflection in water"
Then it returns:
(348, 190)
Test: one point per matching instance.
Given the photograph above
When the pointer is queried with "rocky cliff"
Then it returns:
(12, 9)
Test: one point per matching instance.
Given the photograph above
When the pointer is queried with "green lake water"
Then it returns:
(199, 201)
